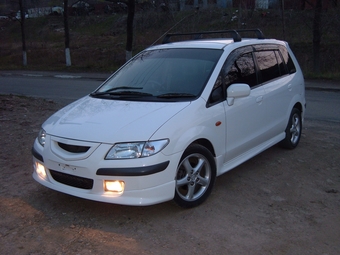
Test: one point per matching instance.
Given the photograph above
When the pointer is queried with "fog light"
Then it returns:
(114, 186)
(40, 170)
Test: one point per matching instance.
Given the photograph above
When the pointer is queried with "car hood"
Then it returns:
(111, 121)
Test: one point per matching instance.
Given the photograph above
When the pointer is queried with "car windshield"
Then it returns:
(165, 74)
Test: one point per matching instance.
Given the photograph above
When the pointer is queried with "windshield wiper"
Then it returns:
(120, 93)
(174, 95)
(113, 89)
(123, 87)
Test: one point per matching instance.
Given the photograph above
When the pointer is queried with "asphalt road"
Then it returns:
(321, 104)
(62, 89)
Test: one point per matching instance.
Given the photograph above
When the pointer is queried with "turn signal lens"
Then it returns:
(42, 137)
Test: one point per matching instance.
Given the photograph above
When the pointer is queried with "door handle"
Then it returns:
(259, 99)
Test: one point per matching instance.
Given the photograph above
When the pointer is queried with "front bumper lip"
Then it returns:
(37, 155)
(140, 197)
(134, 171)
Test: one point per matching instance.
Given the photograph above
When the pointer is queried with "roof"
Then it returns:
(205, 43)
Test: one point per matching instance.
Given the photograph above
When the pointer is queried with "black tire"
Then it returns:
(195, 176)
(293, 130)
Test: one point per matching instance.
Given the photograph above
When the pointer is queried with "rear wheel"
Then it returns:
(293, 130)
(195, 177)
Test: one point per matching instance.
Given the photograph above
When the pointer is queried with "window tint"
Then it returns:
(288, 60)
(268, 65)
(238, 68)
(242, 70)
(272, 61)
(282, 67)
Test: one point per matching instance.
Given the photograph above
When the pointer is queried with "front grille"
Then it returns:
(74, 148)
(71, 180)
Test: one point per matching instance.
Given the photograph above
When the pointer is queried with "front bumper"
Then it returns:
(147, 180)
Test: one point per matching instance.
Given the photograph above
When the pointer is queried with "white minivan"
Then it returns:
(173, 118)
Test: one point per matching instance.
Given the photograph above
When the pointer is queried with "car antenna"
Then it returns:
(188, 16)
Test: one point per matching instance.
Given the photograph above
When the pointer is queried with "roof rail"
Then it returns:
(257, 31)
(199, 35)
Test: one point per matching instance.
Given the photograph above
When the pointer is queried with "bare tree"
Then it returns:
(283, 19)
(129, 28)
(317, 35)
(129, 25)
(23, 36)
(67, 34)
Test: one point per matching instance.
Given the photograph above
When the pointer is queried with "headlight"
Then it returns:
(136, 149)
(42, 137)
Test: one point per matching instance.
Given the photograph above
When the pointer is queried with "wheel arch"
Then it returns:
(299, 103)
(207, 144)
(301, 108)
(298, 106)
(294, 128)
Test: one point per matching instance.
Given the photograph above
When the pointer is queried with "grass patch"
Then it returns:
(323, 76)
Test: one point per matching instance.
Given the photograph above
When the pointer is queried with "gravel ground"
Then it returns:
(280, 202)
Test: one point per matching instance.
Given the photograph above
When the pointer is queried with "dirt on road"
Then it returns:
(280, 202)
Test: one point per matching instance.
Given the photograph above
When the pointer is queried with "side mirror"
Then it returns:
(237, 90)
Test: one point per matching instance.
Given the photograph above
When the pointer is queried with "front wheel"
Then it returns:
(195, 177)
(293, 130)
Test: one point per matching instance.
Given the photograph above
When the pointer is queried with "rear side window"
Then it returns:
(288, 60)
(268, 65)
(282, 66)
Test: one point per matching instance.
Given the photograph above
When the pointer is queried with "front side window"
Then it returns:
(162, 74)
(238, 68)
(243, 71)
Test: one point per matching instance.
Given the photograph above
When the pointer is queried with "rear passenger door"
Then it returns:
(276, 82)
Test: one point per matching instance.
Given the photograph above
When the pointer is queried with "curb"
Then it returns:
(59, 75)
(309, 84)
